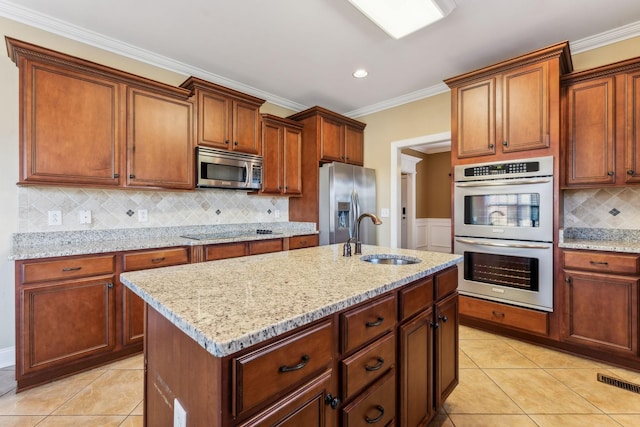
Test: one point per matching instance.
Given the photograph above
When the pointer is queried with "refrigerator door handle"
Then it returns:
(353, 213)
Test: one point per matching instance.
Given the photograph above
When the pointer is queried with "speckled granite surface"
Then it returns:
(600, 239)
(66, 243)
(231, 304)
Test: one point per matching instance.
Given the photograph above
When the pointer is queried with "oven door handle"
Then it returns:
(503, 245)
(499, 183)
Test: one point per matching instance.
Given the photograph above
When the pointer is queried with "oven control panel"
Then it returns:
(540, 166)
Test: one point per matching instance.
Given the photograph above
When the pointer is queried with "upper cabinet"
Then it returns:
(337, 138)
(227, 119)
(282, 156)
(508, 108)
(601, 136)
(86, 124)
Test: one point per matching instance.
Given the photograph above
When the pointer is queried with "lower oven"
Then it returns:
(513, 272)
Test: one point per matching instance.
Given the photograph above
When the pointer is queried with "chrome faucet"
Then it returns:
(375, 220)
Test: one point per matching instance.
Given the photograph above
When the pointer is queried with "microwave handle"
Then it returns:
(247, 175)
(499, 183)
(503, 245)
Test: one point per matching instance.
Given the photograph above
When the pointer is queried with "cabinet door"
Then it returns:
(601, 312)
(475, 125)
(70, 127)
(447, 348)
(214, 120)
(590, 130)
(292, 161)
(354, 145)
(525, 108)
(272, 135)
(65, 322)
(246, 131)
(416, 370)
(159, 141)
(632, 121)
(331, 140)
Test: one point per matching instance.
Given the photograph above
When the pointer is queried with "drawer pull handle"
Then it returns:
(497, 313)
(71, 268)
(376, 419)
(599, 262)
(305, 359)
(375, 367)
(376, 323)
(157, 260)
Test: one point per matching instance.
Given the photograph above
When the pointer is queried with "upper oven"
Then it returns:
(505, 200)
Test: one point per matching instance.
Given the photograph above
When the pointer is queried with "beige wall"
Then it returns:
(425, 117)
(433, 184)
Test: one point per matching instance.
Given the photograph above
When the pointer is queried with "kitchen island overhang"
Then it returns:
(230, 307)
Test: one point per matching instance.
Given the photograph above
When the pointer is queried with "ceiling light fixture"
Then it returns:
(399, 18)
(358, 74)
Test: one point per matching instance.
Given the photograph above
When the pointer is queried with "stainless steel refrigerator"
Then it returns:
(346, 192)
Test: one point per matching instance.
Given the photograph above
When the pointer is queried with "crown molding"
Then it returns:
(65, 29)
(47, 23)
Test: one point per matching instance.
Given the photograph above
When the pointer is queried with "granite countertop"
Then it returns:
(85, 242)
(600, 239)
(231, 304)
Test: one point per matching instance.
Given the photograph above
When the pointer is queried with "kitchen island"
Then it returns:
(275, 337)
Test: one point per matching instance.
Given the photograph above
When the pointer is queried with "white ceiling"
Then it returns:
(301, 53)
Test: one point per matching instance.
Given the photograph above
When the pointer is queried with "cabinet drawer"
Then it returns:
(68, 268)
(416, 298)
(154, 259)
(600, 261)
(265, 246)
(299, 242)
(446, 282)
(366, 322)
(225, 250)
(268, 371)
(367, 365)
(376, 407)
(506, 315)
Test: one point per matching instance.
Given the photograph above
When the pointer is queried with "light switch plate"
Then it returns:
(384, 212)
(84, 217)
(142, 215)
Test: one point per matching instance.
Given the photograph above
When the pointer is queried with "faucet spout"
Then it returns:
(374, 219)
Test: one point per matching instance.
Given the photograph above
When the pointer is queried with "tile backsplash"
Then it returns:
(112, 208)
(615, 207)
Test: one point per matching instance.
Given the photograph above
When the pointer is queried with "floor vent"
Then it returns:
(616, 382)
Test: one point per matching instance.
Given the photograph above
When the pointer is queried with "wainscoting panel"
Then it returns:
(433, 234)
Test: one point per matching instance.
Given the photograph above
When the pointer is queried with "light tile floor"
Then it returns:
(503, 382)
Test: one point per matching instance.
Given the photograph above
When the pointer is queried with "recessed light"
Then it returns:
(358, 74)
(400, 18)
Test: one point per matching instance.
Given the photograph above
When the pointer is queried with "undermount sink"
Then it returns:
(389, 259)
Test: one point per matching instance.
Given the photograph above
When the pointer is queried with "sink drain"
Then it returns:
(616, 382)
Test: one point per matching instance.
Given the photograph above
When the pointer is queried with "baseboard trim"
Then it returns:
(7, 357)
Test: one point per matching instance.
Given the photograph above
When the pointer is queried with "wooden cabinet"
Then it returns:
(509, 107)
(132, 305)
(282, 156)
(508, 316)
(227, 119)
(327, 137)
(428, 346)
(601, 301)
(159, 140)
(601, 141)
(306, 241)
(87, 124)
(65, 316)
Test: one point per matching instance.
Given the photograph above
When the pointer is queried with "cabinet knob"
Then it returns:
(443, 318)
(434, 325)
(332, 400)
(505, 143)
(567, 279)
(226, 141)
(132, 176)
(630, 172)
(116, 175)
(491, 145)
(235, 143)
(109, 285)
(610, 173)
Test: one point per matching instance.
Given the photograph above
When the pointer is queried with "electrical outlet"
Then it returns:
(384, 212)
(54, 217)
(84, 217)
(142, 215)
(277, 213)
(179, 414)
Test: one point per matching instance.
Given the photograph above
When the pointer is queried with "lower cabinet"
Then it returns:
(389, 361)
(601, 297)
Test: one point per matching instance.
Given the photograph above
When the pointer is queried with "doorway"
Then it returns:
(439, 142)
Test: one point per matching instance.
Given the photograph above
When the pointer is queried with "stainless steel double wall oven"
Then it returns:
(503, 226)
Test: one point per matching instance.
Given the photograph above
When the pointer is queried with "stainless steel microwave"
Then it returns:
(228, 169)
